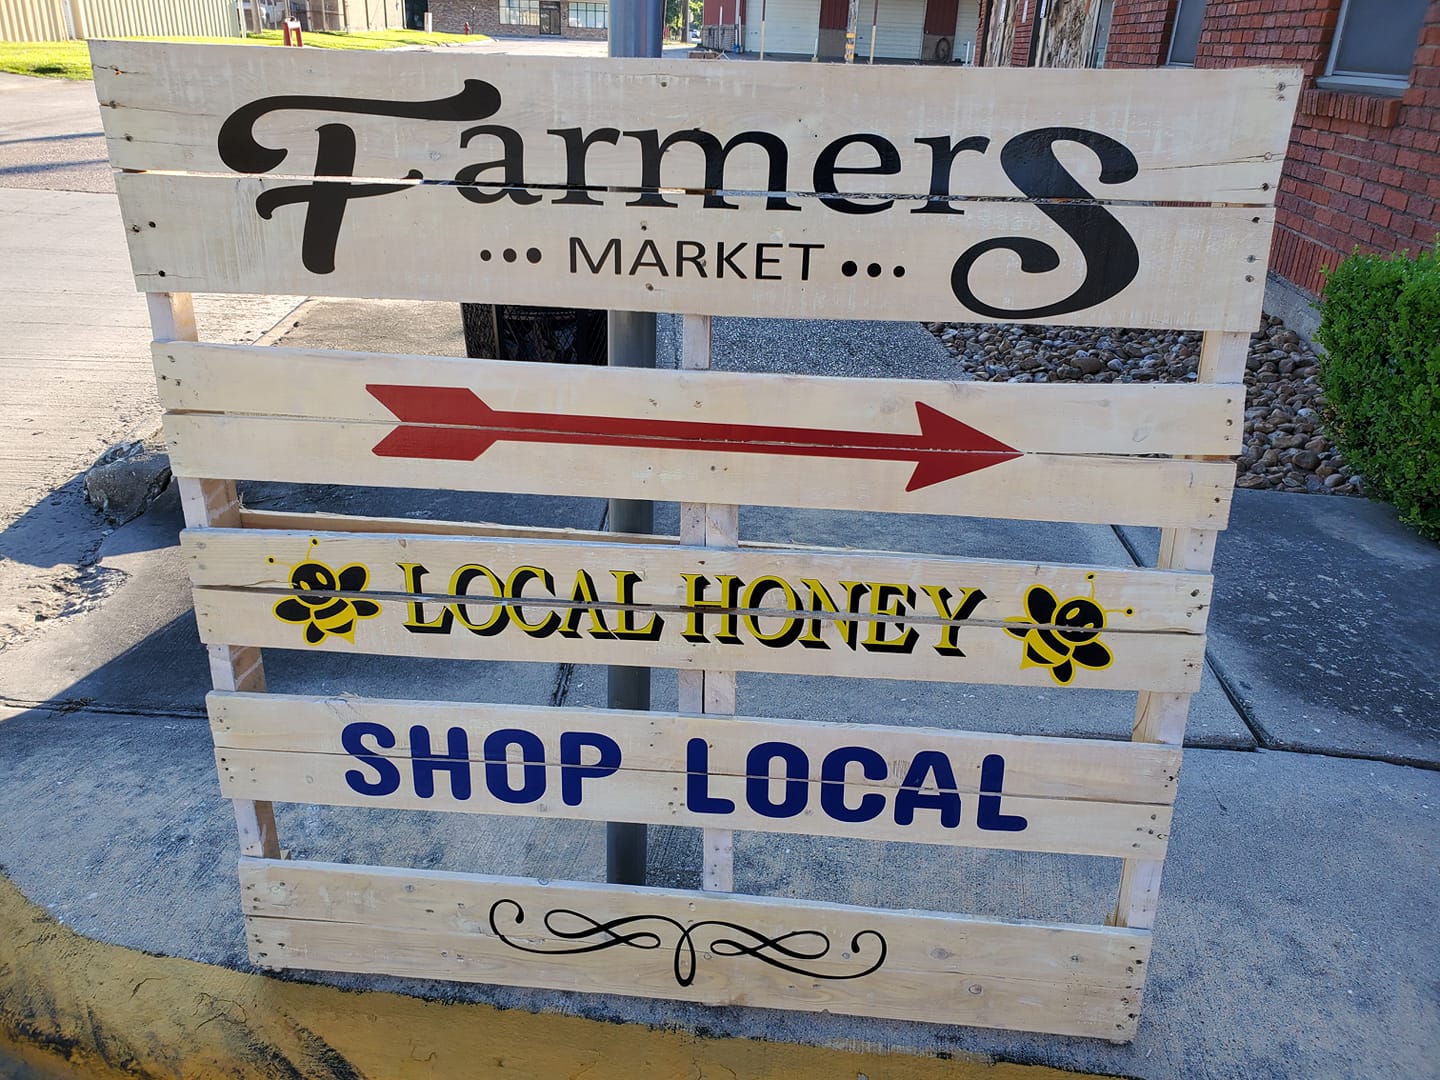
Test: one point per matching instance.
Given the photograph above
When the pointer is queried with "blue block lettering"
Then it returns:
(757, 779)
(387, 780)
(497, 770)
(832, 783)
(992, 779)
(910, 798)
(425, 763)
(697, 781)
(572, 771)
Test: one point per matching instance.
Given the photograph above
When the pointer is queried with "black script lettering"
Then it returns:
(513, 163)
(335, 155)
(577, 145)
(942, 164)
(825, 170)
(652, 150)
(1111, 258)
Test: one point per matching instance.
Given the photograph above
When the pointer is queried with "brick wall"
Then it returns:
(1363, 169)
(1024, 29)
(1139, 33)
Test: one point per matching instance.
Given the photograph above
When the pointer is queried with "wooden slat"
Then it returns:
(215, 503)
(990, 655)
(936, 968)
(1072, 770)
(663, 796)
(1195, 266)
(714, 525)
(1033, 487)
(1136, 601)
(1161, 717)
(1078, 418)
(1214, 136)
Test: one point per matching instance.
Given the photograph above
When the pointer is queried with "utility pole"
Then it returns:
(851, 20)
(636, 27)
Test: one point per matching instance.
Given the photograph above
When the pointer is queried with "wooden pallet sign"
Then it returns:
(1139, 198)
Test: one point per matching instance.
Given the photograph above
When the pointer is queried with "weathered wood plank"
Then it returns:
(1037, 767)
(333, 385)
(1192, 266)
(879, 647)
(862, 961)
(1036, 487)
(931, 589)
(689, 770)
(1214, 136)
(210, 502)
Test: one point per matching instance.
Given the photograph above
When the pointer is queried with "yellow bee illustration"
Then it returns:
(322, 613)
(1062, 635)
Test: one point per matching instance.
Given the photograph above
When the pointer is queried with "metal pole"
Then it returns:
(874, 27)
(635, 29)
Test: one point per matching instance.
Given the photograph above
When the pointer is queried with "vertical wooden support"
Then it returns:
(214, 503)
(1160, 718)
(708, 525)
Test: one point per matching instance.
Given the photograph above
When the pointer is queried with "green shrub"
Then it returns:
(1380, 326)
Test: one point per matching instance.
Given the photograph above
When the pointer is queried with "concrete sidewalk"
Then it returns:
(1296, 935)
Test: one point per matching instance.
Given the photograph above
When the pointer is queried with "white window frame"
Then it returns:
(526, 5)
(1174, 29)
(1371, 82)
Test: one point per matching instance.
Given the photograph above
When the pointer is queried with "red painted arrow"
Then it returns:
(449, 423)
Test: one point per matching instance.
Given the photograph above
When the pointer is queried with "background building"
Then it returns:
(1364, 160)
(919, 31)
(551, 18)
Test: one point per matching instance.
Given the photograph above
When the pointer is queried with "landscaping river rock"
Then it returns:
(1286, 448)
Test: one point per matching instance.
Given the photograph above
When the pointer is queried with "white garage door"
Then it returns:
(967, 29)
(790, 26)
(900, 31)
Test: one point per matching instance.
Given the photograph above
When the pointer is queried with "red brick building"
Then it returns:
(1364, 162)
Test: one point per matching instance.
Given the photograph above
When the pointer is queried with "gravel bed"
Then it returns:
(1286, 448)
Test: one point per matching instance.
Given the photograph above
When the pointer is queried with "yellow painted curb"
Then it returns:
(116, 1012)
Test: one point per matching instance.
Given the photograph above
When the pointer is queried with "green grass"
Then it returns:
(71, 59)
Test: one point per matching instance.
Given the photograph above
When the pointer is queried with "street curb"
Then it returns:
(120, 1012)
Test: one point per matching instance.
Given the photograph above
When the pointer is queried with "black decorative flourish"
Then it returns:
(781, 952)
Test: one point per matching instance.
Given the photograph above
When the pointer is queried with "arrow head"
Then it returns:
(444, 422)
(951, 448)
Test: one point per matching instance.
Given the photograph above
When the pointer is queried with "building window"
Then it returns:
(1102, 34)
(1186, 36)
(1374, 47)
(520, 12)
(589, 16)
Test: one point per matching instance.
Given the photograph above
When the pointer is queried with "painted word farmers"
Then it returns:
(1106, 250)
(514, 766)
